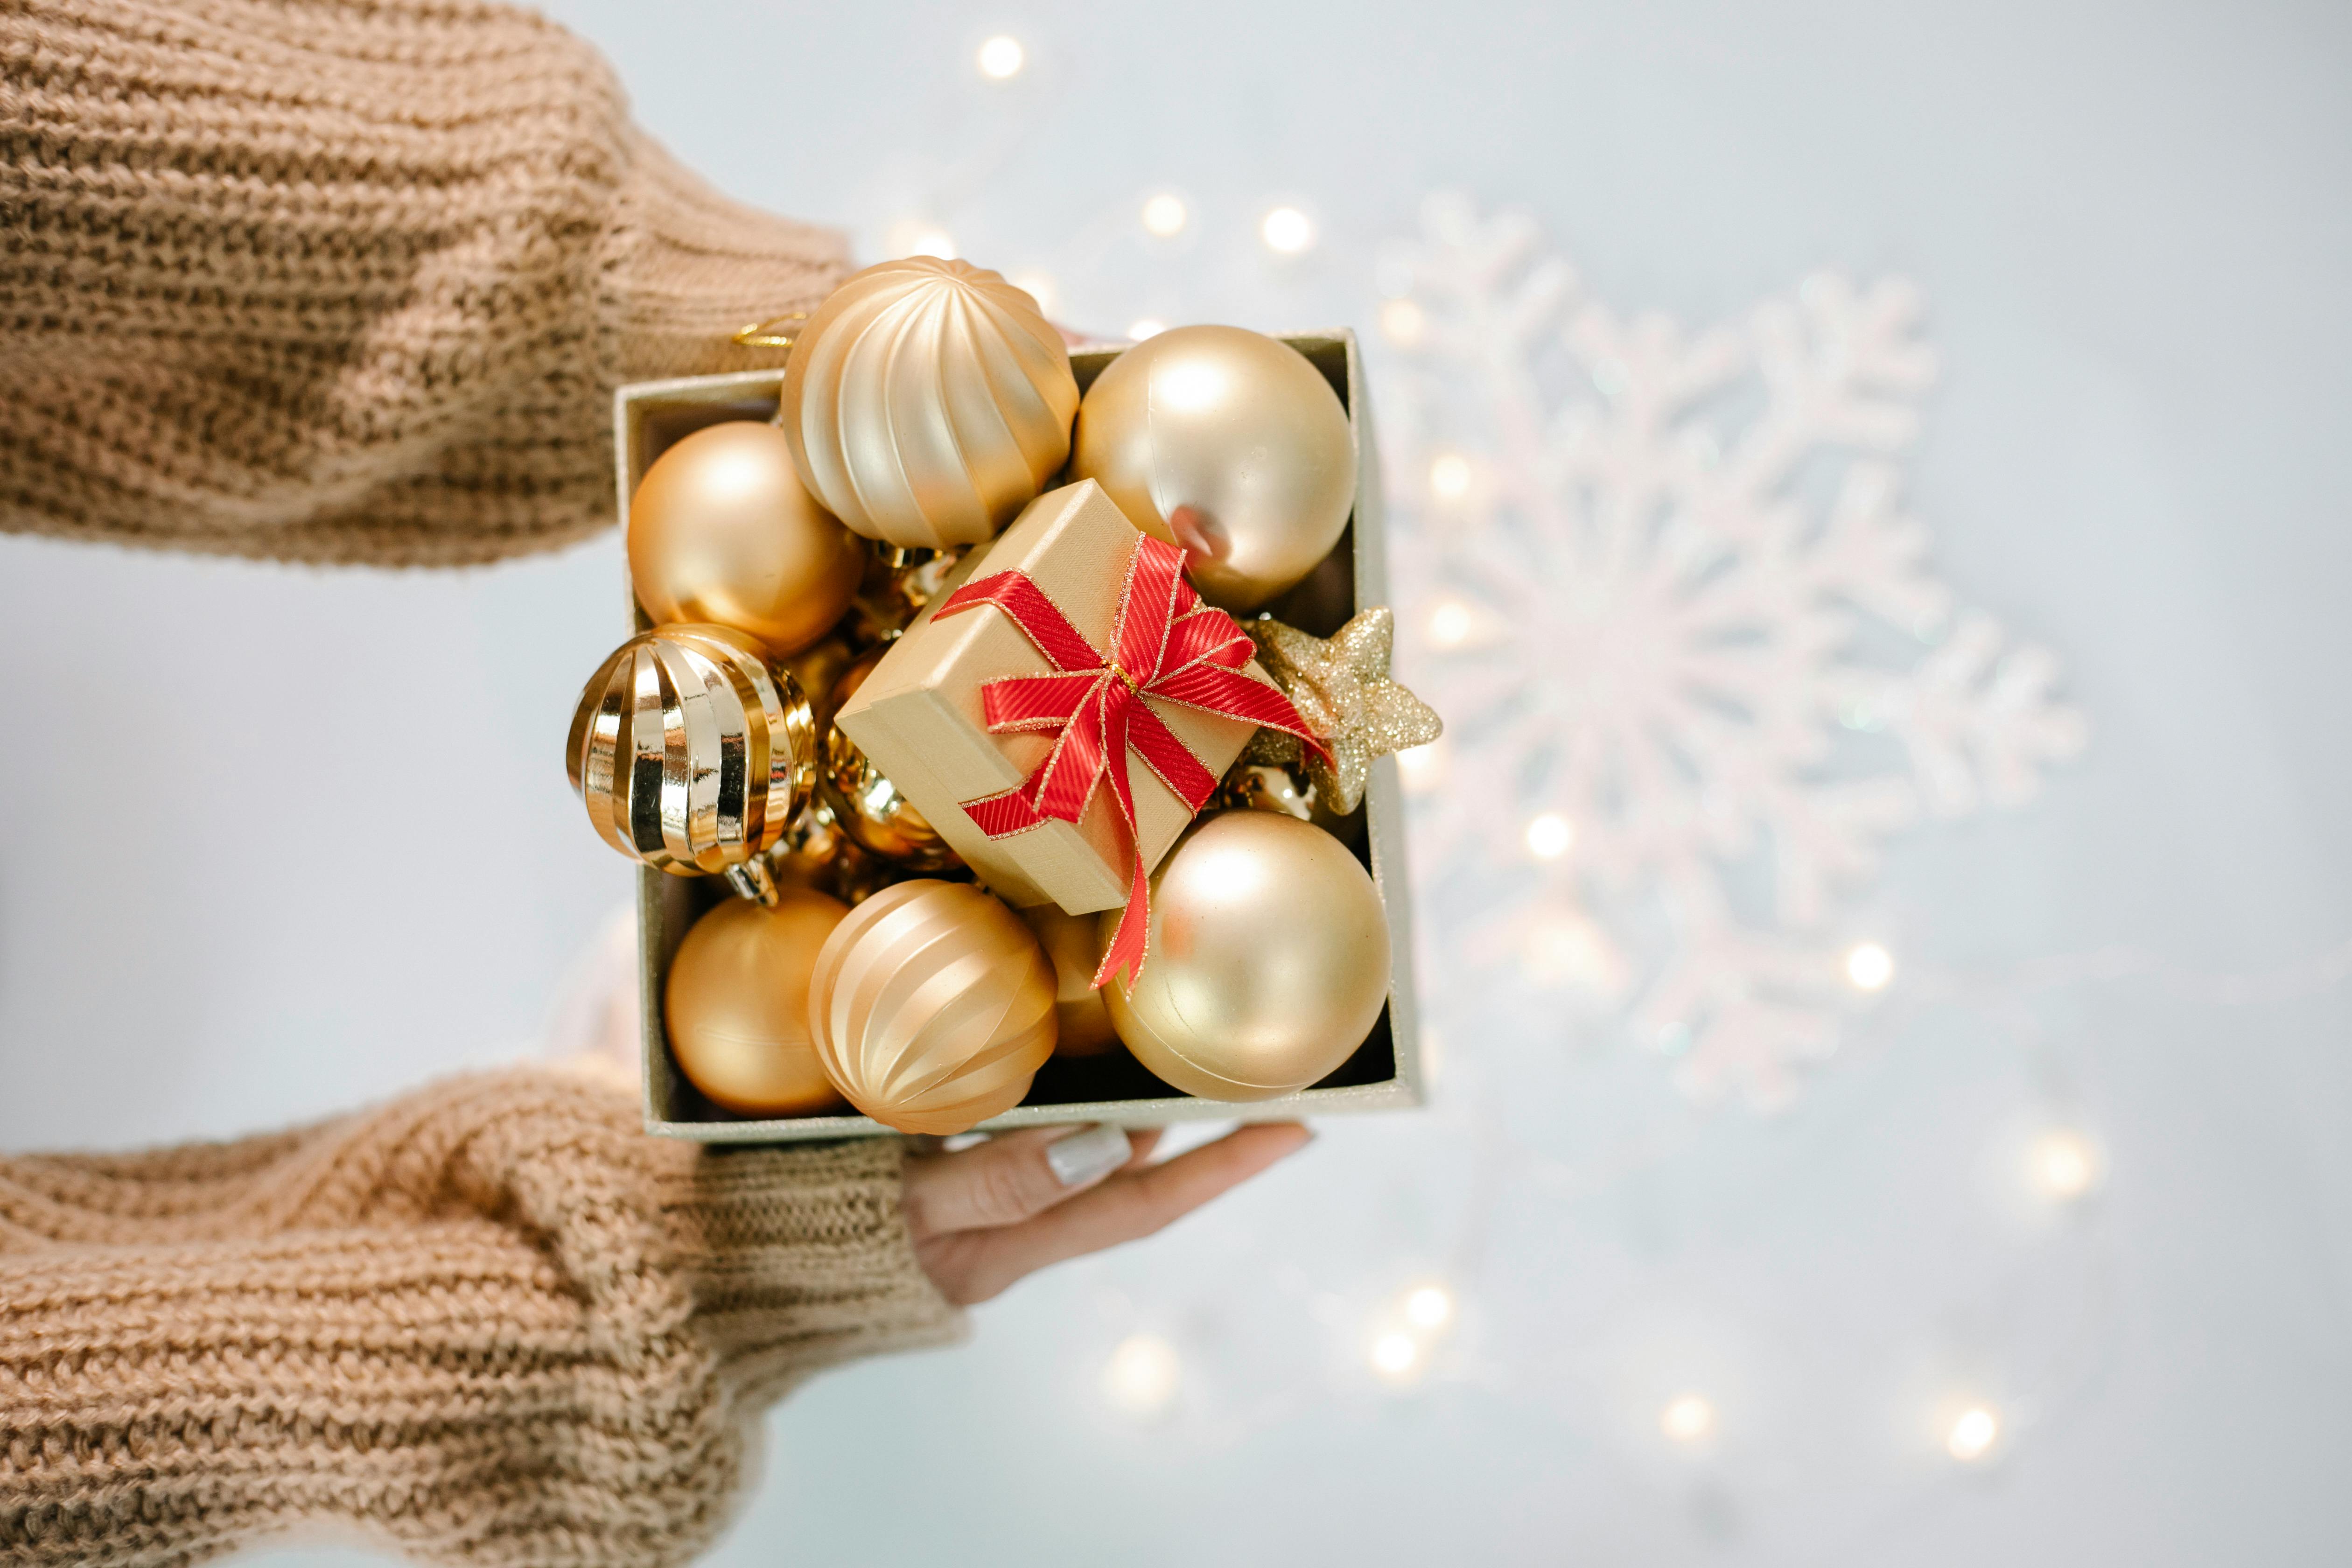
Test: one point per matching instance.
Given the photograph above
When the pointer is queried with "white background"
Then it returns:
(276, 841)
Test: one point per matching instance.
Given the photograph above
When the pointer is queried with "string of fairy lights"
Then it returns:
(2060, 1164)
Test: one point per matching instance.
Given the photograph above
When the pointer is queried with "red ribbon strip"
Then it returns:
(1165, 644)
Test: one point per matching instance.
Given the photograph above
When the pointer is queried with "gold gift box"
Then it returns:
(1386, 1071)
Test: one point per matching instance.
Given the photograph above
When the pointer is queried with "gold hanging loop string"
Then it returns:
(764, 335)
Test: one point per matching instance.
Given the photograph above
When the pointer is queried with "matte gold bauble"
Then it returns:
(1228, 443)
(868, 806)
(926, 402)
(1073, 942)
(737, 1005)
(1268, 960)
(722, 529)
(932, 1007)
(692, 749)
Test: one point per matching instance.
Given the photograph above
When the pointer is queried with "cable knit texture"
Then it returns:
(343, 281)
(490, 1323)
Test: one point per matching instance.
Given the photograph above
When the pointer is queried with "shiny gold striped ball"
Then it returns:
(691, 748)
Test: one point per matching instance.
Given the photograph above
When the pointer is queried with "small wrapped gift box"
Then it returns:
(1385, 1072)
(921, 717)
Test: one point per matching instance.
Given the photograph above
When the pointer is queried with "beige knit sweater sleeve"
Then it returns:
(334, 280)
(492, 1322)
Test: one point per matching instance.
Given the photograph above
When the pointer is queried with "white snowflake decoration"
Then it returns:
(1673, 610)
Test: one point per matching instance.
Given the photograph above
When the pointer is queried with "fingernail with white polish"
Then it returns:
(1088, 1154)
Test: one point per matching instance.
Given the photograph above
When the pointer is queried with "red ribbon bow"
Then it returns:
(1165, 644)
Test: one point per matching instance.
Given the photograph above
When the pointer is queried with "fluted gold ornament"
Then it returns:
(932, 1007)
(926, 402)
(1268, 960)
(1228, 443)
(1341, 687)
(737, 1005)
(691, 748)
(722, 529)
(1073, 942)
(877, 817)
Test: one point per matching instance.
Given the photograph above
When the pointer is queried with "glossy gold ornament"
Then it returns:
(932, 1007)
(1228, 443)
(819, 669)
(1083, 1027)
(721, 530)
(691, 748)
(737, 1005)
(1340, 686)
(899, 584)
(1264, 787)
(868, 807)
(1268, 960)
(926, 402)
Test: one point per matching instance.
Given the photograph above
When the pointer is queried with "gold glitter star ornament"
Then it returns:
(1340, 686)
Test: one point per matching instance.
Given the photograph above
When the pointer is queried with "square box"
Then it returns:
(1385, 1073)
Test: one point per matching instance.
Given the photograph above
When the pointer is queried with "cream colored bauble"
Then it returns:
(932, 1007)
(926, 402)
(1268, 960)
(1228, 443)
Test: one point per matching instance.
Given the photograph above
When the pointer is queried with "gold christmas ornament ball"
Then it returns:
(1268, 960)
(691, 748)
(926, 402)
(737, 1005)
(1073, 942)
(1228, 443)
(932, 1007)
(722, 529)
(869, 809)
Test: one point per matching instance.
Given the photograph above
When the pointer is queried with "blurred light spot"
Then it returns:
(1002, 58)
(916, 237)
(1869, 966)
(1144, 327)
(1403, 323)
(1142, 1376)
(1422, 769)
(1449, 477)
(1395, 1355)
(1973, 1433)
(1164, 215)
(1689, 1419)
(1287, 231)
(1429, 1306)
(1449, 622)
(1040, 287)
(2063, 1164)
(1549, 836)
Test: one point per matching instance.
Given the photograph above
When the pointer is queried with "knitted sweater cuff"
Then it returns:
(691, 268)
(802, 1261)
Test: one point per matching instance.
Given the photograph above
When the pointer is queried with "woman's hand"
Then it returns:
(986, 1216)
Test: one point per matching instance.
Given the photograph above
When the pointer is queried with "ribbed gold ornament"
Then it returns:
(926, 402)
(931, 1006)
(691, 748)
